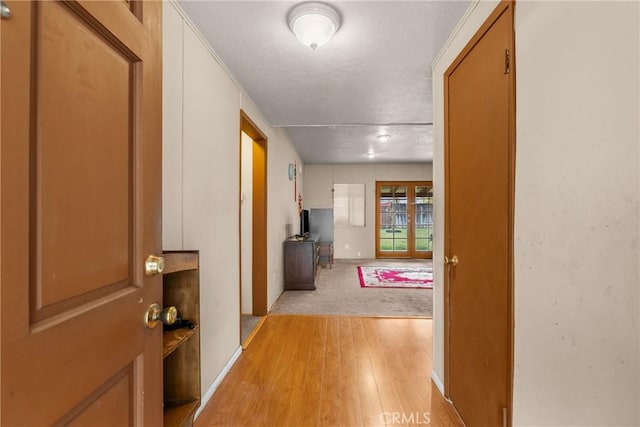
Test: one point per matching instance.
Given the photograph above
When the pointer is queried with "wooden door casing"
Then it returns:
(81, 210)
(479, 182)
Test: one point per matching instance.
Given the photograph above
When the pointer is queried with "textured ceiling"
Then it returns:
(372, 77)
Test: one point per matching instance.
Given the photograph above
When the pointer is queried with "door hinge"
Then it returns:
(505, 417)
(507, 61)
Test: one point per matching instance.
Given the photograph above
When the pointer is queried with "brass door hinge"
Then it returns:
(505, 417)
(507, 61)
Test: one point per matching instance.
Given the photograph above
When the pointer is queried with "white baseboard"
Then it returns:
(216, 383)
(438, 382)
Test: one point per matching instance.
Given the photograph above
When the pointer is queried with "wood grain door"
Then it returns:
(81, 211)
(479, 222)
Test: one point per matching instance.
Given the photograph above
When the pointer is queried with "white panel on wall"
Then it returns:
(577, 292)
(171, 128)
(211, 193)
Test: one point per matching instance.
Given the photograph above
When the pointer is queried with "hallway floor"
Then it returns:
(332, 371)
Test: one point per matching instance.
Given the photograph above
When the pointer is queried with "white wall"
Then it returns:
(246, 226)
(172, 47)
(577, 262)
(576, 226)
(210, 199)
(201, 178)
(356, 242)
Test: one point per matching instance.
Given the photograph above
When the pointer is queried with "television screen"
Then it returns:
(304, 222)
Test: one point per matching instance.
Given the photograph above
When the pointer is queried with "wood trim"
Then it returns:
(512, 208)
(179, 261)
(505, 6)
(259, 259)
(411, 252)
(253, 333)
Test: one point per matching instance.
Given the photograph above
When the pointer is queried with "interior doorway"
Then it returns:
(253, 226)
(404, 219)
(479, 182)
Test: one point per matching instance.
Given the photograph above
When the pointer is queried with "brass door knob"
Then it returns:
(155, 314)
(452, 262)
(5, 11)
(153, 265)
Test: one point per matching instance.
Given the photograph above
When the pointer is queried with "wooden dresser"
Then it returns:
(301, 259)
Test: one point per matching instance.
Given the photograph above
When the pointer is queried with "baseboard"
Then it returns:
(436, 380)
(216, 383)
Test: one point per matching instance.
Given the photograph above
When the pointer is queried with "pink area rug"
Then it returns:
(396, 277)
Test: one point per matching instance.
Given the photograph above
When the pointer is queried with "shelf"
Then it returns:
(181, 347)
(180, 261)
(177, 411)
(173, 339)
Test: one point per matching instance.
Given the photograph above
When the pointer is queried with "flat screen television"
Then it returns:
(304, 222)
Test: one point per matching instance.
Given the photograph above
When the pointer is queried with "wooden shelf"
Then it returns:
(180, 261)
(176, 411)
(174, 339)
(181, 347)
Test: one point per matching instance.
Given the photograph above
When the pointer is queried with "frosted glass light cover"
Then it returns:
(314, 23)
(314, 30)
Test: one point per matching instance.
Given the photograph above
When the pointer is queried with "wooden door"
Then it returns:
(479, 143)
(404, 219)
(81, 211)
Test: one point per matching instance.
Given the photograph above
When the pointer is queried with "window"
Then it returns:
(348, 205)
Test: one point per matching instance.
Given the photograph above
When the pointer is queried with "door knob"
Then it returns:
(153, 265)
(155, 314)
(5, 12)
(452, 262)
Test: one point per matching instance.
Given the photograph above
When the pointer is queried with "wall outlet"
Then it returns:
(347, 246)
(357, 253)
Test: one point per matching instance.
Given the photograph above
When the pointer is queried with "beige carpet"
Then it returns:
(339, 292)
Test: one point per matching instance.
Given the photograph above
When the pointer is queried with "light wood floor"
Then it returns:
(332, 371)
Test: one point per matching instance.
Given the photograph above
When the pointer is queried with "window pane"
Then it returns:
(424, 218)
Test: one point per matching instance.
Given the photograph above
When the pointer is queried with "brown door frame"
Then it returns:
(259, 204)
(410, 214)
(505, 6)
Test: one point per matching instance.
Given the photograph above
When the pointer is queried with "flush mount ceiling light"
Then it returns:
(314, 23)
(383, 138)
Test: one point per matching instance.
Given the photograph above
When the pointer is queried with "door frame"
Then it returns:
(410, 214)
(505, 6)
(259, 205)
